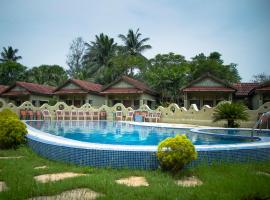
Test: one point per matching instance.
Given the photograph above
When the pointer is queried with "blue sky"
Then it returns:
(239, 29)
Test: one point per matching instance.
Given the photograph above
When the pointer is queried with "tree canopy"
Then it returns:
(9, 54)
(53, 75)
(213, 64)
(75, 59)
(10, 72)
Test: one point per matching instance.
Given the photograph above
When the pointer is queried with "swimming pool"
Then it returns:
(134, 145)
(122, 133)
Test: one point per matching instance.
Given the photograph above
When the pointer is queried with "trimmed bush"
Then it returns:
(8, 113)
(12, 130)
(174, 153)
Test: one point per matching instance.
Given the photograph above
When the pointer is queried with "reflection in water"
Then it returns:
(121, 133)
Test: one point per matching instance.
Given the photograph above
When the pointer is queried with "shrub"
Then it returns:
(8, 113)
(174, 153)
(230, 112)
(12, 130)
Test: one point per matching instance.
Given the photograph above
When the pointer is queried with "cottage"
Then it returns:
(243, 93)
(207, 90)
(24, 91)
(129, 92)
(78, 92)
(260, 95)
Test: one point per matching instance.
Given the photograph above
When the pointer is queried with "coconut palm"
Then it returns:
(100, 51)
(9, 54)
(230, 112)
(133, 45)
(98, 56)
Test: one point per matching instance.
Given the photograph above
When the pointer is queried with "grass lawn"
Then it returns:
(227, 181)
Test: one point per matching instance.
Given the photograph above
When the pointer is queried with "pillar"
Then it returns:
(185, 100)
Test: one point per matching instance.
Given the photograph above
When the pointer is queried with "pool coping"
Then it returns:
(44, 137)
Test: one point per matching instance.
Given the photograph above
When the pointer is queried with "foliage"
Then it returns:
(5, 113)
(214, 65)
(133, 44)
(261, 78)
(11, 71)
(166, 74)
(129, 64)
(9, 54)
(75, 58)
(12, 130)
(98, 55)
(231, 112)
(53, 75)
(174, 153)
(52, 101)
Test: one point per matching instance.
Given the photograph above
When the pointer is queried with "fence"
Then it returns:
(171, 114)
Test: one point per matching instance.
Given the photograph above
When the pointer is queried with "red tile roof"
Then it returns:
(138, 85)
(266, 88)
(90, 86)
(2, 88)
(16, 93)
(86, 86)
(243, 89)
(30, 87)
(225, 84)
(121, 91)
(70, 91)
(208, 89)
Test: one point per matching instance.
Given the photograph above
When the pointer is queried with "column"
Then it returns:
(106, 100)
(185, 100)
(141, 102)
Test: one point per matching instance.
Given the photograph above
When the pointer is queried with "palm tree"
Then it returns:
(133, 45)
(9, 54)
(99, 54)
(230, 112)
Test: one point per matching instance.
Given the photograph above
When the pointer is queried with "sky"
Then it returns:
(239, 29)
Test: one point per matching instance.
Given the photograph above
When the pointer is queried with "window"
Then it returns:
(90, 101)
(136, 104)
(34, 102)
(18, 103)
(115, 102)
(77, 103)
(149, 103)
(69, 102)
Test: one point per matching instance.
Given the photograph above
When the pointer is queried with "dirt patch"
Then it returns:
(133, 181)
(189, 182)
(3, 186)
(76, 194)
(10, 157)
(41, 167)
(263, 173)
(56, 177)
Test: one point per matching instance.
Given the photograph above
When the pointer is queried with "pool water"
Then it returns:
(121, 133)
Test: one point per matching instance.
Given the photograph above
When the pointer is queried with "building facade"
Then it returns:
(78, 92)
(23, 91)
(129, 92)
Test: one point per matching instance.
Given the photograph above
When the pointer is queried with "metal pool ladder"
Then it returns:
(264, 118)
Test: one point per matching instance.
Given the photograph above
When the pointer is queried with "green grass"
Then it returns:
(226, 181)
